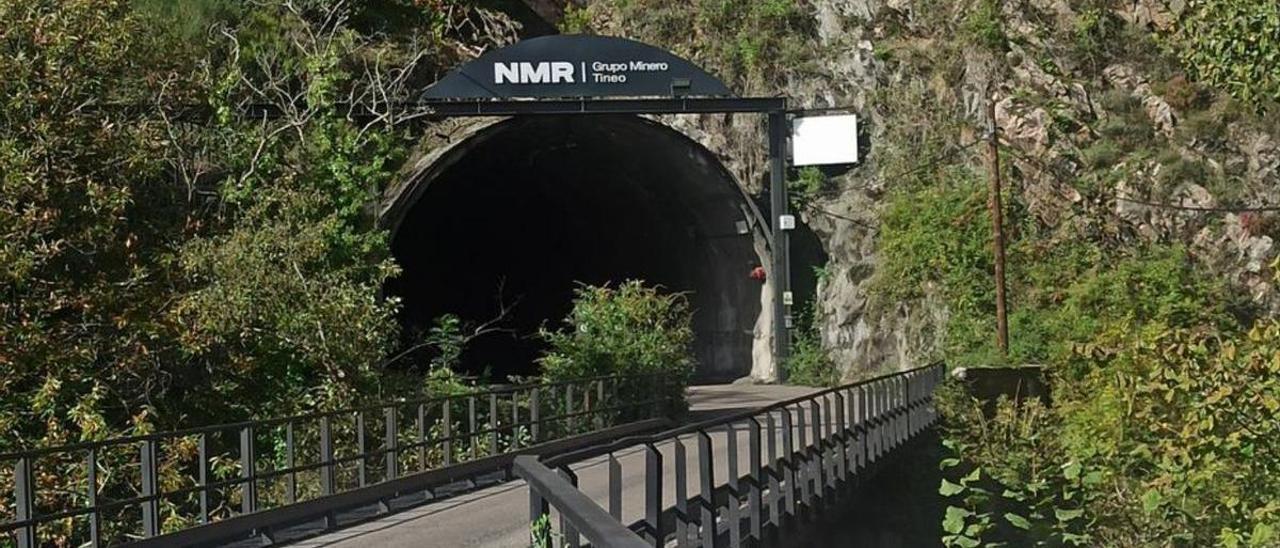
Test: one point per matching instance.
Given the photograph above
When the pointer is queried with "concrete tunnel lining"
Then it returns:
(539, 203)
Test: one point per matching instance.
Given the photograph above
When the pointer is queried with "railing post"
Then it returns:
(775, 469)
(601, 423)
(683, 517)
(362, 451)
(538, 509)
(202, 453)
(587, 407)
(653, 496)
(896, 394)
(248, 472)
(757, 480)
(535, 419)
(493, 423)
(291, 480)
(706, 479)
(472, 427)
(151, 506)
(803, 467)
(732, 516)
(446, 431)
(883, 447)
(874, 439)
(842, 440)
(95, 517)
(615, 487)
(328, 472)
(392, 442)
(901, 414)
(570, 533)
(817, 413)
(788, 461)
(24, 490)
(911, 407)
(851, 428)
(569, 421)
(421, 437)
(515, 419)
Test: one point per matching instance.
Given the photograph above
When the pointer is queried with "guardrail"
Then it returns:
(826, 440)
(213, 478)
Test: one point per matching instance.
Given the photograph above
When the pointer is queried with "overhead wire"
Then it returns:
(933, 162)
(1149, 203)
(1202, 209)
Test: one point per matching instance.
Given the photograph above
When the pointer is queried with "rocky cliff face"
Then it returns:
(910, 70)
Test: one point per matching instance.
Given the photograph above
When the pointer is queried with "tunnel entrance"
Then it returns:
(527, 208)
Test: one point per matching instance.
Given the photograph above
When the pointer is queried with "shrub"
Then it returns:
(809, 363)
(984, 26)
(1102, 154)
(1163, 427)
(628, 330)
(1233, 45)
(1005, 479)
(1183, 422)
(1096, 34)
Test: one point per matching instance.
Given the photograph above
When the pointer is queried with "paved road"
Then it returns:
(499, 515)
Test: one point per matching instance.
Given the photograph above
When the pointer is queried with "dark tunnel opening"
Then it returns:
(528, 208)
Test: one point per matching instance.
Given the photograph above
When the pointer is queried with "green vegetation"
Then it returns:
(1234, 45)
(160, 269)
(983, 26)
(1170, 437)
(1008, 483)
(631, 329)
(810, 364)
(751, 45)
(1160, 367)
(157, 272)
(540, 533)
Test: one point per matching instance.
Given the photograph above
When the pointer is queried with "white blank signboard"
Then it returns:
(824, 140)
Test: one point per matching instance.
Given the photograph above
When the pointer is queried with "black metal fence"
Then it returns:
(776, 463)
(139, 487)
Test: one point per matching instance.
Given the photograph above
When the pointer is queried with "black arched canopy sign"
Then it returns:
(576, 66)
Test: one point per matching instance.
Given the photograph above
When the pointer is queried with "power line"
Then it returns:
(808, 206)
(933, 162)
(1148, 203)
(1181, 207)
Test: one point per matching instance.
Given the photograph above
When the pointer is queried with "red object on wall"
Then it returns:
(758, 274)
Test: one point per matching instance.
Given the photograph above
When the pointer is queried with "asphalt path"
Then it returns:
(499, 515)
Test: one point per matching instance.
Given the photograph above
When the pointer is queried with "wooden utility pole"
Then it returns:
(997, 226)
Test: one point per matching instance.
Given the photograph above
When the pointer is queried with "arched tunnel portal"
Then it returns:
(533, 206)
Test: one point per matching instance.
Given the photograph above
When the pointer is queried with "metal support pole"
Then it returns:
(781, 274)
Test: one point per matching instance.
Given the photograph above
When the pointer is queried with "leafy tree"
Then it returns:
(88, 221)
(159, 266)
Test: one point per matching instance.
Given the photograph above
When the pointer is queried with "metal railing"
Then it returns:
(142, 487)
(798, 455)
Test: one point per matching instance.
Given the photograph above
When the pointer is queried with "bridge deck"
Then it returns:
(499, 515)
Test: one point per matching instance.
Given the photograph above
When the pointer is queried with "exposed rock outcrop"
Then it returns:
(1049, 110)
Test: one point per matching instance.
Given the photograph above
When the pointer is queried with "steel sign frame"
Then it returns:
(556, 67)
